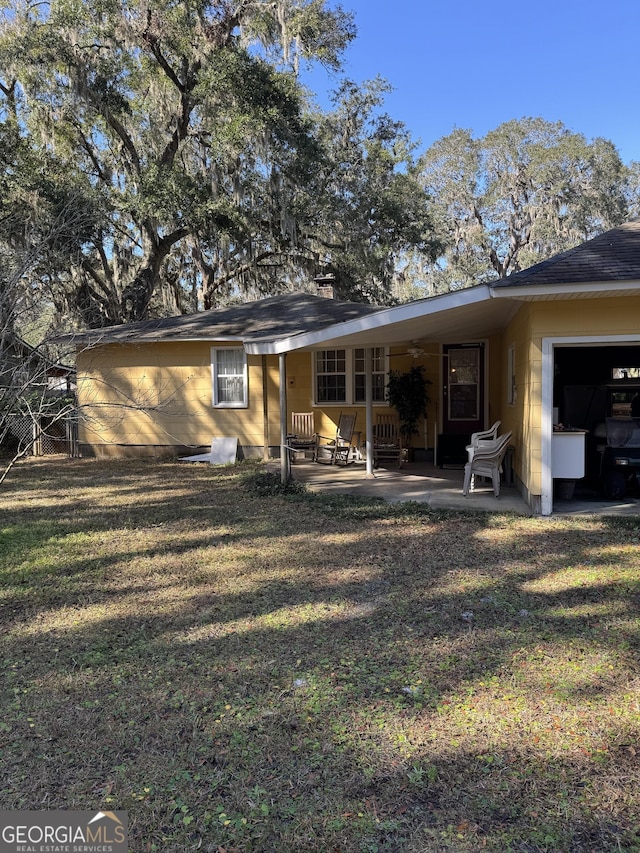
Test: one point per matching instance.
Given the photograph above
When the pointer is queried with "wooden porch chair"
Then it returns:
(338, 449)
(302, 437)
(486, 462)
(387, 442)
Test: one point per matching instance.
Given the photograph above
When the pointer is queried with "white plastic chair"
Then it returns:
(478, 438)
(486, 461)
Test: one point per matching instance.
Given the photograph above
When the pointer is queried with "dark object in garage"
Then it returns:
(620, 467)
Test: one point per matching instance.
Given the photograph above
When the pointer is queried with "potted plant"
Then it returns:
(407, 393)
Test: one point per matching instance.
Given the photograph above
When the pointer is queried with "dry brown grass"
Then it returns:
(246, 672)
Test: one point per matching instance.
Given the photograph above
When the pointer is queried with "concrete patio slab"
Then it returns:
(441, 488)
(438, 488)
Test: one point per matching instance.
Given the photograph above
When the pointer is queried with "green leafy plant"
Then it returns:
(268, 484)
(407, 393)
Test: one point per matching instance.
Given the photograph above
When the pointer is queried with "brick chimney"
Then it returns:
(325, 285)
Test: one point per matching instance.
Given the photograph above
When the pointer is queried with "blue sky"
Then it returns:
(477, 63)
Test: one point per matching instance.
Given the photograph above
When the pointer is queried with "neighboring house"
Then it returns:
(34, 390)
(23, 366)
(557, 342)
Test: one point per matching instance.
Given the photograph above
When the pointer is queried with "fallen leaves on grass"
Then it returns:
(247, 671)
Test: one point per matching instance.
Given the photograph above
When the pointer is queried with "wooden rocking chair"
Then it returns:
(387, 443)
(338, 450)
(302, 438)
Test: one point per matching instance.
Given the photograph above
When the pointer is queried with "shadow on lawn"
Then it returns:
(398, 574)
(373, 675)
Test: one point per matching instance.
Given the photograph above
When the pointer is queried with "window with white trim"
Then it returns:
(331, 376)
(625, 372)
(229, 377)
(378, 374)
(340, 375)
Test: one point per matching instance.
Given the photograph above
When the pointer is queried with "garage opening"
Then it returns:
(597, 389)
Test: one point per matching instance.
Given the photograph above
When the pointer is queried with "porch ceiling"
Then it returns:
(465, 322)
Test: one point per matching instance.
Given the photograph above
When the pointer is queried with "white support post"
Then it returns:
(368, 385)
(285, 467)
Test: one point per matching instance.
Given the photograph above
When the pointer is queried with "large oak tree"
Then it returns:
(182, 116)
(209, 172)
(528, 189)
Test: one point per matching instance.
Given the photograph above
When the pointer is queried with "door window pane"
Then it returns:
(464, 384)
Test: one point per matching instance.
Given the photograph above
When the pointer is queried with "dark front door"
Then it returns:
(463, 391)
(463, 401)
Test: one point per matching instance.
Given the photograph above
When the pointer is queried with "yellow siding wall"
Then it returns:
(596, 317)
(616, 315)
(494, 391)
(160, 395)
(520, 417)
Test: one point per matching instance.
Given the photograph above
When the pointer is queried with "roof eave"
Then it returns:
(96, 341)
(540, 291)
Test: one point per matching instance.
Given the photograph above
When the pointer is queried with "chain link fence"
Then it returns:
(46, 435)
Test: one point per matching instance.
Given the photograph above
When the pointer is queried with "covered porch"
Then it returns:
(427, 335)
(440, 488)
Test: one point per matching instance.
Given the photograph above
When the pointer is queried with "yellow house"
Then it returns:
(166, 387)
(558, 343)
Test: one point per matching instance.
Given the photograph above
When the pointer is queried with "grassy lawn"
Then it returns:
(243, 672)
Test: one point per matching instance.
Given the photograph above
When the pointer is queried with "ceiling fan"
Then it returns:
(415, 351)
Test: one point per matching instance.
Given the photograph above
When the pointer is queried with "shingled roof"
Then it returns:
(612, 257)
(286, 315)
